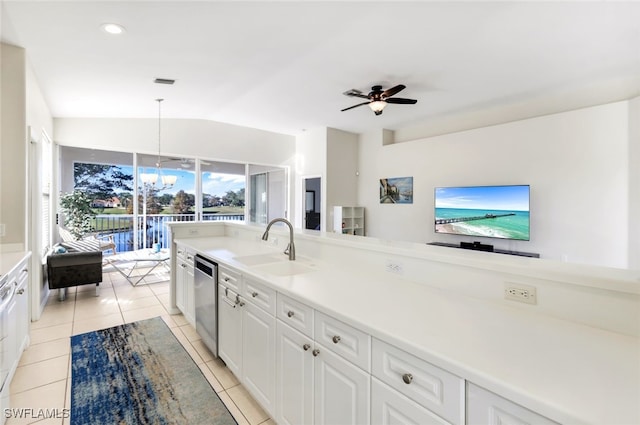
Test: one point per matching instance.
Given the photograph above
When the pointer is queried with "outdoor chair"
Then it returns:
(73, 269)
(92, 242)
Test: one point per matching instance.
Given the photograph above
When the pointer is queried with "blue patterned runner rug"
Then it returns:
(139, 373)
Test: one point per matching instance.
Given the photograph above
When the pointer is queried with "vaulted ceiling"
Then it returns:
(283, 66)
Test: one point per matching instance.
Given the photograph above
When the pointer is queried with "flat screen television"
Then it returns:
(488, 211)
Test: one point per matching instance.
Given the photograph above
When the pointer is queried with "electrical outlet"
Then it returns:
(521, 293)
(2, 230)
(394, 267)
(274, 241)
(193, 232)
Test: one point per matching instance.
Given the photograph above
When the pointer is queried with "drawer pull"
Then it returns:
(228, 301)
(226, 278)
(336, 339)
(254, 294)
(20, 291)
(290, 313)
(306, 347)
(315, 352)
(407, 378)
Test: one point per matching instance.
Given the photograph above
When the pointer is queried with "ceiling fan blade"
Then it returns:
(355, 93)
(393, 90)
(401, 101)
(355, 106)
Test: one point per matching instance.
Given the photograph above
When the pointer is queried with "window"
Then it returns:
(223, 190)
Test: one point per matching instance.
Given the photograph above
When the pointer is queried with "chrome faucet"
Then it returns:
(291, 248)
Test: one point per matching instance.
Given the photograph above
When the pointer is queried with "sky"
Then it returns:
(212, 183)
(514, 198)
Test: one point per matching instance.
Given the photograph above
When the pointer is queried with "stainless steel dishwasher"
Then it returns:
(206, 295)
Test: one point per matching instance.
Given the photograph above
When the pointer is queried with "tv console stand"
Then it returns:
(477, 246)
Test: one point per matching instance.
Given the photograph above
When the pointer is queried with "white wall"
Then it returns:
(180, 137)
(634, 184)
(13, 147)
(576, 163)
(311, 161)
(39, 121)
(342, 166)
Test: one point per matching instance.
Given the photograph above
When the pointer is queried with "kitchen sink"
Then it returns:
(284, 268)
(256, 260)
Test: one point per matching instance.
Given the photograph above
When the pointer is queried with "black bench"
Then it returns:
(73, 269)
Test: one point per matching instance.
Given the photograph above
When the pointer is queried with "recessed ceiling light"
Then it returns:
(114, 29)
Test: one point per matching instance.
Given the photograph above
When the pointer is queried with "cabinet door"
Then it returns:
(189, 296)
(487, 408)
(259, 355)
(180, 275)
(389, 407)
(294, 376)
(229, 331)
(22, 311)
(341, 391)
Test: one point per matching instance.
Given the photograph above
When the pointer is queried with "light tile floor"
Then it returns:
(43, 377)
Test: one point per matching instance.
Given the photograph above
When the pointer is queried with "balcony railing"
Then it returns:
(152, 229)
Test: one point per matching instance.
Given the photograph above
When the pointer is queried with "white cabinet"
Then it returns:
(487, 408)
(294, 380)
(389, 407)
(259, 355)
(230, 329)
(15, 326)
(348, 220)
(315, 385)
(341, 390)
(431, 387)
(247, 334)
(185, 297)
(22, 310)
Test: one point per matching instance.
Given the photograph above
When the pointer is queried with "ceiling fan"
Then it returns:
(185, 162)
(378, 99)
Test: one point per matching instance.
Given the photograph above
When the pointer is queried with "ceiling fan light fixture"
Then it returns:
(377, 106)
(169, 180)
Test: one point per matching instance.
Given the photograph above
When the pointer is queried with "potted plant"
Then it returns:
(76, 207)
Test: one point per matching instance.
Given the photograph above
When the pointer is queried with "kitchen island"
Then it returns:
(564, 360)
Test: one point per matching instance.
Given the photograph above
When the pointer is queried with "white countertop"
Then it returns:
(569, 372)
(8, 260)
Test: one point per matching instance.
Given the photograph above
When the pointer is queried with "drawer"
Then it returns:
(295, 314)
(180, 252)
(433, 388)
(261, 295)
(388, 406)
(229, 278)
(486, 407)
(347, 341)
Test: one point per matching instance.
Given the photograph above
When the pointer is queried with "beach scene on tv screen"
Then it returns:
(489, 211)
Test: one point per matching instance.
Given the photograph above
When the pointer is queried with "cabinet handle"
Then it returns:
(306, 347)
(183, 265)
(226, 279)
(226, 300)
(20, 291)
(315, 352)
(25, 270)
(254, 294)
(336, 339)
(241, 303)
(407, 378)
(290, 313)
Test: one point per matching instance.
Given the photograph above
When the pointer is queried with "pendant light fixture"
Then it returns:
(151, 179)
